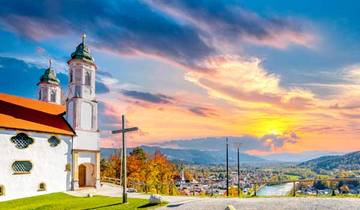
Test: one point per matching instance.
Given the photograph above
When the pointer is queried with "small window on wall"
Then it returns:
(87, 78)
(22, 167)
(77, 91)
(71, 76)
(21, 140)
(54, 141)
(42, 186)
(2, 190)
(53, 96)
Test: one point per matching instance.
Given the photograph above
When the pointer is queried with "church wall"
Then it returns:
(49, 165)
(86, 140)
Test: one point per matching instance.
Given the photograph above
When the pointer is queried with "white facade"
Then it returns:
(49, 165)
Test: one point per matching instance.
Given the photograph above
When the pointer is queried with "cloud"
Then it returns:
(181, 32)
(275, 141)
(268, 143)
(148, 97)
(101, 88)
(237, 81)
(19, 77)
(226, 22)
(125, 27)
(202, 111)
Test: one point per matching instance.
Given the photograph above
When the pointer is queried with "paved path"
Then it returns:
(270, 204)
(196, 203)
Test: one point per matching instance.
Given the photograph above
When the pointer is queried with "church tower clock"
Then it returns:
(82, 115)
(49, 86)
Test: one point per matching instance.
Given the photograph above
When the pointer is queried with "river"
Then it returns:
(275, 190)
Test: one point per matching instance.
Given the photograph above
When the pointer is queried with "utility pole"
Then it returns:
(227, 167)
(123, 159)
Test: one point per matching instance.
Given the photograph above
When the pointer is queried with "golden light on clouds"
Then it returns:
(269, 125)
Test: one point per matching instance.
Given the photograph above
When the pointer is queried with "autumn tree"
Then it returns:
(136, 168)
(149, 173)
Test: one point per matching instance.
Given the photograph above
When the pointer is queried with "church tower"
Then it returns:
(49, 86)
(82, 115)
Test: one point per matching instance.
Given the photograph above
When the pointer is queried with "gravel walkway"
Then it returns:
(196, 203)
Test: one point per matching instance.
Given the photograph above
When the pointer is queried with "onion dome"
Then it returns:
(82, 52)
(49, 76)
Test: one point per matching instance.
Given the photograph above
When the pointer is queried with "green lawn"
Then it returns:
(61, 201)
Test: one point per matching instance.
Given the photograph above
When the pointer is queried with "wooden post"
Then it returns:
(123, 162)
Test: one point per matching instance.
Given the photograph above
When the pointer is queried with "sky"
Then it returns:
(278, 76)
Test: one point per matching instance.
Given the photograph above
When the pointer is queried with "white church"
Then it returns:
(51, 144)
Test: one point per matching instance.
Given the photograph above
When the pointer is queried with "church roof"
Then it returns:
(33, 115)
(82, 52)
(49, 76)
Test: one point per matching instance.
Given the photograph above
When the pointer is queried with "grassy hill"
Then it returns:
(350, 161)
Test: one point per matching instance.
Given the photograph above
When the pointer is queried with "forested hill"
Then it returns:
(350, 161)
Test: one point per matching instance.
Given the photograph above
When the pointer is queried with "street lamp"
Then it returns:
(227, 167)
(237, 145)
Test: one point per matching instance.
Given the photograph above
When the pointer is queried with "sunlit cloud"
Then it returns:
(238, 80)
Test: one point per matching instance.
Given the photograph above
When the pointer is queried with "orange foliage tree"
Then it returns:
(147, 173)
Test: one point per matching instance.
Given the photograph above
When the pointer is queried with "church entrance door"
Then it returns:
(82, 175)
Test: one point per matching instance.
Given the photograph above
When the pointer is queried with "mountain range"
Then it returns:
(213, 157)
(350, 161)
(192, 156)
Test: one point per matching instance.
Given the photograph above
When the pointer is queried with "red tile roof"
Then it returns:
(32, 115)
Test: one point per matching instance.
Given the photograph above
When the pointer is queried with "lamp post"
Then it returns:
(123, 159)
(238, 144)
(227, 167)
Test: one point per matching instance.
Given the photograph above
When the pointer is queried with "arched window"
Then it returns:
(53, 141)
(87, 78)
(39, 94)
(22, 167)
(42, 186)
(21, 140)
(53, 96)
(2, 190)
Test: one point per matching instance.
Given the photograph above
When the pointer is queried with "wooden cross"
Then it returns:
(123, 164)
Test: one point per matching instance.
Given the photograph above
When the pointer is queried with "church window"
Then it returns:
(77, 91)
(22, 167)
(71, 76)
(53, 96)
(21, 140)
(2, 190)
(87, 78)
(40, 94)
(53, 141)
(42, 186)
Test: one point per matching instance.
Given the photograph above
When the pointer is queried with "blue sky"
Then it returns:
(275, 71)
